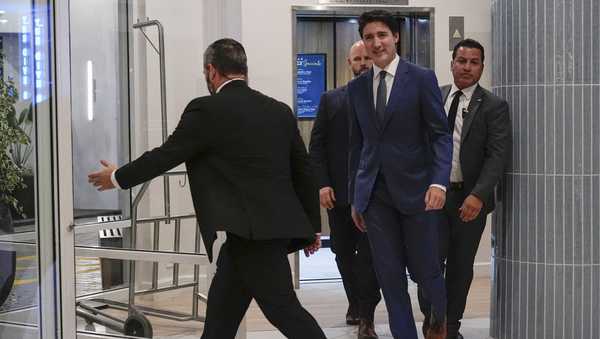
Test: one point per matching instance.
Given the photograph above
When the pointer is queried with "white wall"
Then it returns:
(184, 44)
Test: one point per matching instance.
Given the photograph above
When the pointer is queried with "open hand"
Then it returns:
(101, 179)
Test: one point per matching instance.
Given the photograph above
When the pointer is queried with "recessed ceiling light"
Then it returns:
(2, 12)
(3, 21)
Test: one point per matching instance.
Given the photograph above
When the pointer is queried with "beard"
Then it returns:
(360, 71)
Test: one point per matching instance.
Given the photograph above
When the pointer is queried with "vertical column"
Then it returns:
(546, 233)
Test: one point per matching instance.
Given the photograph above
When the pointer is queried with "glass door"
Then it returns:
(139, 267)
(29, 269)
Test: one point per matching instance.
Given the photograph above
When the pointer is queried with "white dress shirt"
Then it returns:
(390, 70)
(463, 105)
(112, 175)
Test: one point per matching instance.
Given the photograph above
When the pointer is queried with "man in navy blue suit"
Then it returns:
(399, 168)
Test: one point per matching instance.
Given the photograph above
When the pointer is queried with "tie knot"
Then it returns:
(382, 75)
(458, 93)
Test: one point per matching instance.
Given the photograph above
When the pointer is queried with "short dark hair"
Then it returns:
(227, 56)
(378, 16)
(469, 43)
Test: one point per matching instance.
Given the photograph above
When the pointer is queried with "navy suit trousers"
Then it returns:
(400, 242)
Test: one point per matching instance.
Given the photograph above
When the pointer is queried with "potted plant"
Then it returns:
(11, 178)
(21, 154)
(11, 175)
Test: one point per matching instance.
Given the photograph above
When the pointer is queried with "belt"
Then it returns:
(456, 186)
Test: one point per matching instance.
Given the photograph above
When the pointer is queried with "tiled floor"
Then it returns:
(471, 329)
(326, 301)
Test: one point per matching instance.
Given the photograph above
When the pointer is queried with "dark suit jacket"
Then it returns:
(485, 143)
(329, 143)
(248, 168)
(412, 148)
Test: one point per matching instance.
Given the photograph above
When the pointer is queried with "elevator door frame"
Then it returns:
(337, 11)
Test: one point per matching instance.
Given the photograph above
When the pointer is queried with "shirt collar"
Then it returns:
(390, 68)
(225, 83)
(467, 92)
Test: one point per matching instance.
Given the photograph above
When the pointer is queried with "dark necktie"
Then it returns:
(453, 109)
(381, 96)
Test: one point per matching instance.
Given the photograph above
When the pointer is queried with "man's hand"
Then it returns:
(470, 208)
(434, 198)
(314, 247)
(101, 178)
(359, 221)
(327, 197)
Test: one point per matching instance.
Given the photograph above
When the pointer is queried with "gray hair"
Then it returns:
(227, 56)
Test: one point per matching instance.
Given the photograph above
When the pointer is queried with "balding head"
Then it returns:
(358, 59)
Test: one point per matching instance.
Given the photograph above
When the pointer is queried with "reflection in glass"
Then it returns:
(20, 295)
(24, 81)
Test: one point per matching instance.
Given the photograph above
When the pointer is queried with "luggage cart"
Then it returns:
(137, 324)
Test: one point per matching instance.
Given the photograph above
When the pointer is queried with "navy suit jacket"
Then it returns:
(329, 143)
(412, 148)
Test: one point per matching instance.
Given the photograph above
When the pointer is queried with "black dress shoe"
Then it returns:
(366, 330)
(352, 317)
(453, 331)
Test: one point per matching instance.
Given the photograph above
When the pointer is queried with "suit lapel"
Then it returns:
(445, 93)
(468, 116)
(400, 80)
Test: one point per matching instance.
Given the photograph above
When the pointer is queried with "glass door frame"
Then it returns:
(63, 174)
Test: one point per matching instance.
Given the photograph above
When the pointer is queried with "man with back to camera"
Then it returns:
(400, 159)
(329, 152)
(480, 123)
(250, 176)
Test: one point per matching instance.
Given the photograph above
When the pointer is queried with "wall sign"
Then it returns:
(311, 82)
(457, 30)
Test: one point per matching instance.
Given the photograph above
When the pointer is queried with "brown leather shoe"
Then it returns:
(366, 330)
(425, 326)
(437, 331)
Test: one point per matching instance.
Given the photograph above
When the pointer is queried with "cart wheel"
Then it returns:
(137, 325)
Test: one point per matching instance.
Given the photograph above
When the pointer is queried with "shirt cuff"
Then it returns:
(442, 187)
(114, 180)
